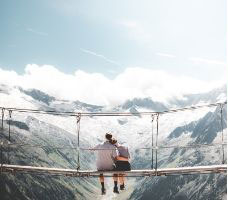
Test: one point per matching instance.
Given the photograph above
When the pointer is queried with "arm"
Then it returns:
(121, 158)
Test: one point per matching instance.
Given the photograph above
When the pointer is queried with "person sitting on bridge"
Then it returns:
(122, 161)
(106, 156)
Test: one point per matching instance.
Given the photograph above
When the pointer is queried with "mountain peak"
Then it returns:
(38, 95)
(144, 103)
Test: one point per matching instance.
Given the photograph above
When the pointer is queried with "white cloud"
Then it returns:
(100, 56)
(207, 61)
(37, 32)
(95, 88)
(166, 55)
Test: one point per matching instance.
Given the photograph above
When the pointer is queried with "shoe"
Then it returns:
(122, 187)
(103, 191)
(115, 190)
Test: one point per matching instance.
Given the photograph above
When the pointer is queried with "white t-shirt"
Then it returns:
(106, 154)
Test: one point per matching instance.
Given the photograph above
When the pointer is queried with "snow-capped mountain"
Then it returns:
(215, 95)
(207, 130)
(181, 128)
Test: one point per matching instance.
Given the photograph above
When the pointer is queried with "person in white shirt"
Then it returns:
(106, 157)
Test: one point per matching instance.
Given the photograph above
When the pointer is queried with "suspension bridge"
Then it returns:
(77, 172)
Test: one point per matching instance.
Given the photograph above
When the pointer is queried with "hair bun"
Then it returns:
(113, 141)
(108, 136)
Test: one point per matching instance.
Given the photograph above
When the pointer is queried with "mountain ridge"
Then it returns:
(49, 131)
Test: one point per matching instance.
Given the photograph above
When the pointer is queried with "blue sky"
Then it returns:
(183, 37)
(111, 51)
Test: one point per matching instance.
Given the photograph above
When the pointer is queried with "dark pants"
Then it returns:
(122, 166)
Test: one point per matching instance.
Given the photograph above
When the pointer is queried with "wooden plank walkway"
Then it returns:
(132, 173)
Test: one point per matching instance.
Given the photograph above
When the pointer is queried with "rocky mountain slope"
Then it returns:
(207, 130)
(44, 133)
(37, 143)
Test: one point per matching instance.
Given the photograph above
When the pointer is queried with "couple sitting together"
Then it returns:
(112, 156)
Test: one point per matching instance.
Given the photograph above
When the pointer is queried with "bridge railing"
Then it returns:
(10, 146)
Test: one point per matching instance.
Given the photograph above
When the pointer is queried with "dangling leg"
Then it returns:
(115, 179)
(121, 180)
(103, 191)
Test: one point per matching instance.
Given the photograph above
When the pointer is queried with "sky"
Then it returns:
(178, 40)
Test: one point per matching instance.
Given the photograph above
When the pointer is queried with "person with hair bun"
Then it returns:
(122, 161)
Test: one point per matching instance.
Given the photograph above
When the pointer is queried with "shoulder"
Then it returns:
(123, 147)
(97, 146)
(107, 143)
(100, 145)
(110, 146)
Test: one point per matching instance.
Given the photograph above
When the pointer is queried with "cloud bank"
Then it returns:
(95, 88)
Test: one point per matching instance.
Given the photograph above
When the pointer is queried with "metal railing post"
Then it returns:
(78, 117)
(223, 156)
(156, 166)
(9, 121)
(152, 142)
